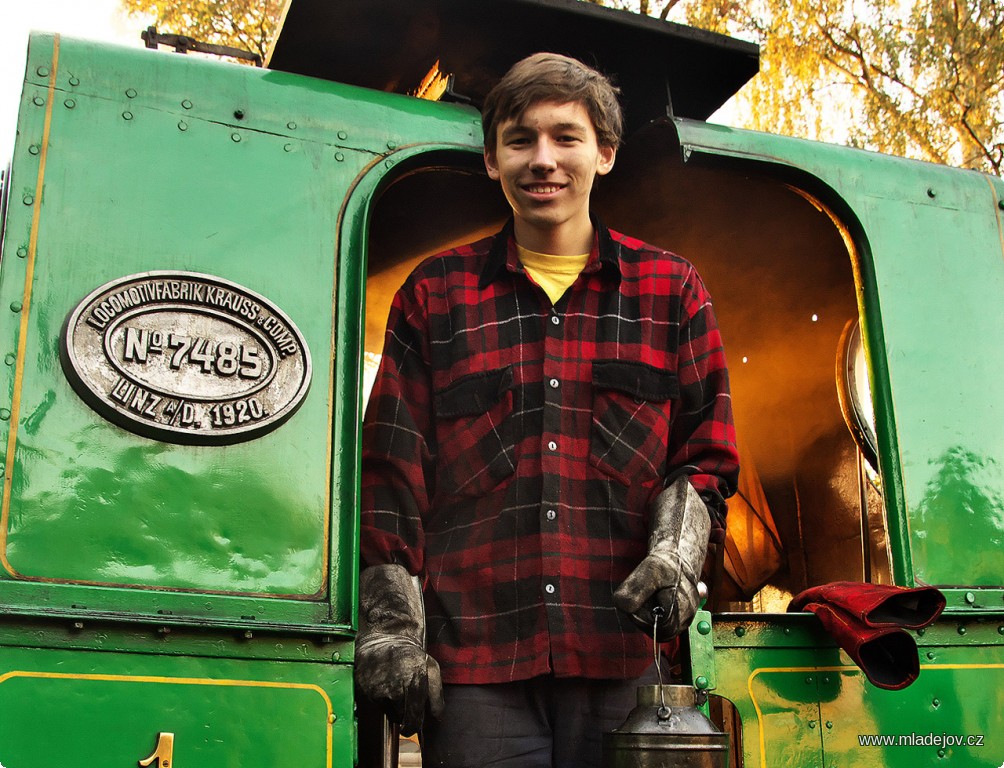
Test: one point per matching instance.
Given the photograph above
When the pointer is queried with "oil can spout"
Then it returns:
(666, 730)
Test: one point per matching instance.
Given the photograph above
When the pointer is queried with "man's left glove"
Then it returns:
(392, 667)
(680, 527)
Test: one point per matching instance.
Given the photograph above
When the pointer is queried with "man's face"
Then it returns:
(546, 160)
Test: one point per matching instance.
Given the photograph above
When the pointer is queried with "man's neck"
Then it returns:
(569, 239)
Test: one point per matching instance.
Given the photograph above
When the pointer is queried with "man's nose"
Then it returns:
(543, 157)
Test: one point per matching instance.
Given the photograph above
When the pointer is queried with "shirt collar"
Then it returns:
(605, 254)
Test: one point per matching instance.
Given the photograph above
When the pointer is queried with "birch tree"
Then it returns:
(921, 79)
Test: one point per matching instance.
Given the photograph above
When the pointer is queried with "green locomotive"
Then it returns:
(197, 263)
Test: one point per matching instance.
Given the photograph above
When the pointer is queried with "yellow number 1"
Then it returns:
(164, 753)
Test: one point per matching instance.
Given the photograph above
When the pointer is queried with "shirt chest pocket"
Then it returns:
(632, 415)
(475, 433)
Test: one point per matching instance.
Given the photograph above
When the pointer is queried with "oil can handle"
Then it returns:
(664, 712)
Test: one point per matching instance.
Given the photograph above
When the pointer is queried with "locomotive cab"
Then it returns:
(198, 260)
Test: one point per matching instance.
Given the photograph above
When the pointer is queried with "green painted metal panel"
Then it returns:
(803, 702)
(930, 264)
(941, 704)
(130, 161)
(73, 708)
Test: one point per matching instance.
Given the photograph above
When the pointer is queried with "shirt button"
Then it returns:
(555, 320)
(549, 588)
(553, 383)
(552, 446)
(551, 514)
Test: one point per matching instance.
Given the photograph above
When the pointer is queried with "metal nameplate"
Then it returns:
(186, 358)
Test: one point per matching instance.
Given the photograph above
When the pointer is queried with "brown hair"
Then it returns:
(553, 77)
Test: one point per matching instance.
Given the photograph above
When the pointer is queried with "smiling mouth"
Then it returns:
(543, 189)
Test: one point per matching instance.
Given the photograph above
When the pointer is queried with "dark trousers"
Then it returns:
(545, 722)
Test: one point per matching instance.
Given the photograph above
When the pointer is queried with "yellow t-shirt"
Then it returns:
(552, 273)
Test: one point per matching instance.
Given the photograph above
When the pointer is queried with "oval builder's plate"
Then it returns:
(185, 357)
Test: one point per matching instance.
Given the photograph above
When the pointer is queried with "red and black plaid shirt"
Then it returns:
(511, 449)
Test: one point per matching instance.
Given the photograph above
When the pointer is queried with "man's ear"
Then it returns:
(491, 165)
(607, 156)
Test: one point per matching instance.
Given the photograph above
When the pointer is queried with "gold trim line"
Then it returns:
(29, 276)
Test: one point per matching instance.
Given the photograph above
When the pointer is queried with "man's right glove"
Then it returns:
(392, 667)
(680, 527)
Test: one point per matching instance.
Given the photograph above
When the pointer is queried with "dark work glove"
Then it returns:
(392, 667)
(677, 545)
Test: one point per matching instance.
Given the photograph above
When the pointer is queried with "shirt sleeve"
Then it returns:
(703, 437)
(397, 458)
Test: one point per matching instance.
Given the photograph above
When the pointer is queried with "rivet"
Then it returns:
(9, 358)
(930, 655)
(15, 306)
(42, 72)
(248, 634)
(336, 656)
(812, 723)
(931, 193)
(936, 703)
(941, 753)
(703, 627)
(69, 103)
(127, 115)
(131, 93)
(701, 682)
(339, 156)
(921, 631)
(1000, 630)
(826, 680)
(186, 104)
(962, 630)
(239, 114)
(786, 630)
(182, 125)
(392, 145)
(970, 598)
(342, 135)
(388, 164)
(4, 414)
(22, 252)
(288, 147)
(74, 81)
(332, 717)
(33, 149)
(28, 199)
(235, 136)
(291, 125)
(78, 625)
(808, 680)
(740, 631)
(38, 101)
(829, 724)
(1000, 204)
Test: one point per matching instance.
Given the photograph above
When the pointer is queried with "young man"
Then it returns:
(547, 447)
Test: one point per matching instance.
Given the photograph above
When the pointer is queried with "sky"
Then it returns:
(89, 19)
